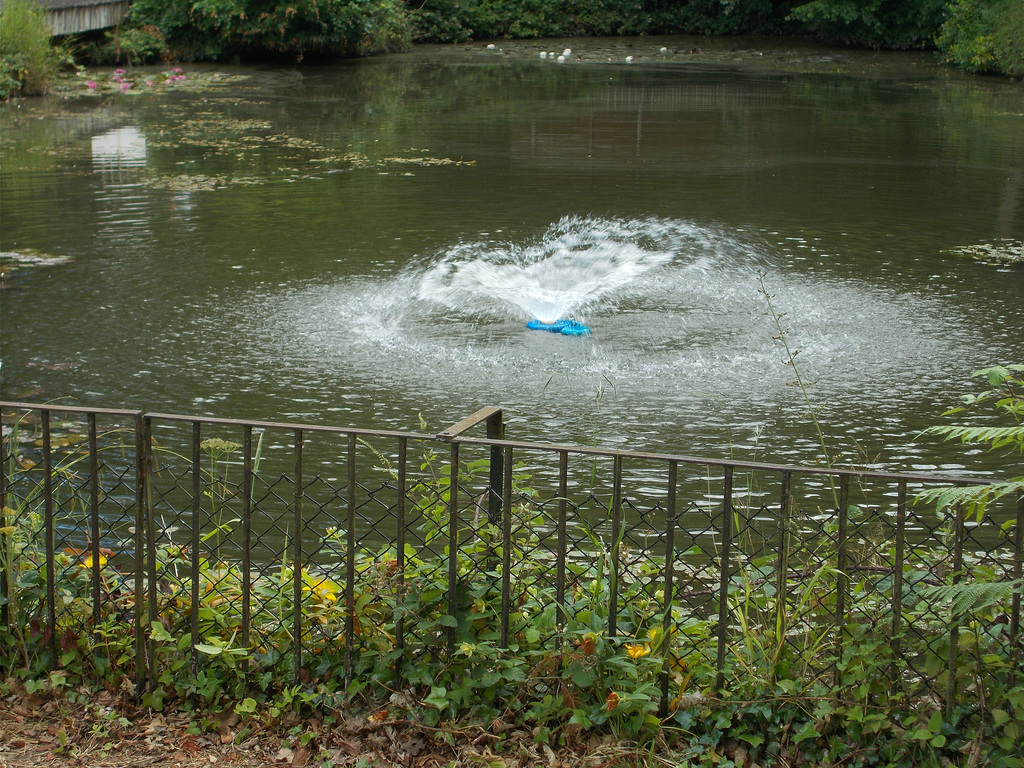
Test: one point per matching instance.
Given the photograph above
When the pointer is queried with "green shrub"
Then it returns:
(132, 46)
(28, 60)
(985, 36)
(460, 20)
(219, 29)
(873, 23)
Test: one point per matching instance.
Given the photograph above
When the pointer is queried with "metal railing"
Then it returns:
(147, 515)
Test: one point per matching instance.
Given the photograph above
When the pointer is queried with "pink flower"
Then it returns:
(92, 84)
(149, 83)
(177, 70)
(125, 86)
(119, 71)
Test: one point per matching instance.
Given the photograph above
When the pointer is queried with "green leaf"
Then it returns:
(246, 706)
(935, 722)
(159, 633)
(448, 621)
(809, 731)
(438, 697)
(212, 650)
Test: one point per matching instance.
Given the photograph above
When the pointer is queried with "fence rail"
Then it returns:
(319, 549)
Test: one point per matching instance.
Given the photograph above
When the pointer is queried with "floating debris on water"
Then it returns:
(133, 82)
(32, 259)
(199, 182)
(1003, 252)
(13, 261)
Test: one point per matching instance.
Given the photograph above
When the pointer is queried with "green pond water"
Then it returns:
(363, 243)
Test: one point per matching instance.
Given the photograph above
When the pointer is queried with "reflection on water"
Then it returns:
(122, 202)
(362, 244)
(118, 149)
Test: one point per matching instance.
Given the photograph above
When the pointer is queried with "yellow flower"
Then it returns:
(322, 589)
(636, 650)
(87, 560)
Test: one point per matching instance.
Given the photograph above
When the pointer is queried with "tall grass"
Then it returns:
(28, 58)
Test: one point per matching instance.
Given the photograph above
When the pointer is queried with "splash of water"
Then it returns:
(576, 265)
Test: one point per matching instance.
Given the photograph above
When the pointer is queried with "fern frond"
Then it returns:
(975, 498)
(996, 437)
(964, 598)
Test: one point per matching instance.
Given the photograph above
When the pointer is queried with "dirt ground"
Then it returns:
(102, 732)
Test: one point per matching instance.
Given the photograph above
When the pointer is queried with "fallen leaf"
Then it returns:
(284, 755)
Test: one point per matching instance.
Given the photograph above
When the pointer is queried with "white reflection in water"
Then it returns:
(118, 157)
(123, 147)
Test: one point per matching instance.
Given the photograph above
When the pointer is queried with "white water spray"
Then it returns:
(577, 265)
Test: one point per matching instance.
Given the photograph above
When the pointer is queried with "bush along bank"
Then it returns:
(28, 58)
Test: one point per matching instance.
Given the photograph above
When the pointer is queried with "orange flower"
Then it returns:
(588, 644)
(378, 717)
(612, 701)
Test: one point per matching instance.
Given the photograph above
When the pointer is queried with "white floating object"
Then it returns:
(561, 59)
(663, 49)
(490, 47)
(567, 52)
(629, 59)
(543, 54)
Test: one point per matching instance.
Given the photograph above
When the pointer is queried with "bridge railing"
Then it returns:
(72, 17)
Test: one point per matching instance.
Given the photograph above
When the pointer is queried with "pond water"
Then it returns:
(362, 244)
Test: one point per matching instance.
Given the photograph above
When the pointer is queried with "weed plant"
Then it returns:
(28, 59)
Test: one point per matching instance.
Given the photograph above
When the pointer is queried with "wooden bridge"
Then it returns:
(71, 17)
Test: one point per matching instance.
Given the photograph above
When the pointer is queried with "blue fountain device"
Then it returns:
(564, 327)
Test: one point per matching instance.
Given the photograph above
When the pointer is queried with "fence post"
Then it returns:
(563, 492)
(723, 586)
(246, 541)
(897, 583)
(51, 599)
(506, 549)
(141, 485)
(350, 564)
(841, 580)
(197, 495)
(495, 431)
(954, 625)
(403, 449)
(94, 522)
(667, 602)
(453, 544)
(297, 565)
(613, 566)
(782, 564)
(5, 542)
(152, 584)
(1018, 567)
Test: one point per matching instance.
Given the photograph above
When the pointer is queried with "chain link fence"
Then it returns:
(316, 552)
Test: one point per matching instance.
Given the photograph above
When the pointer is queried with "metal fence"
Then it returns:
(313, 536)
